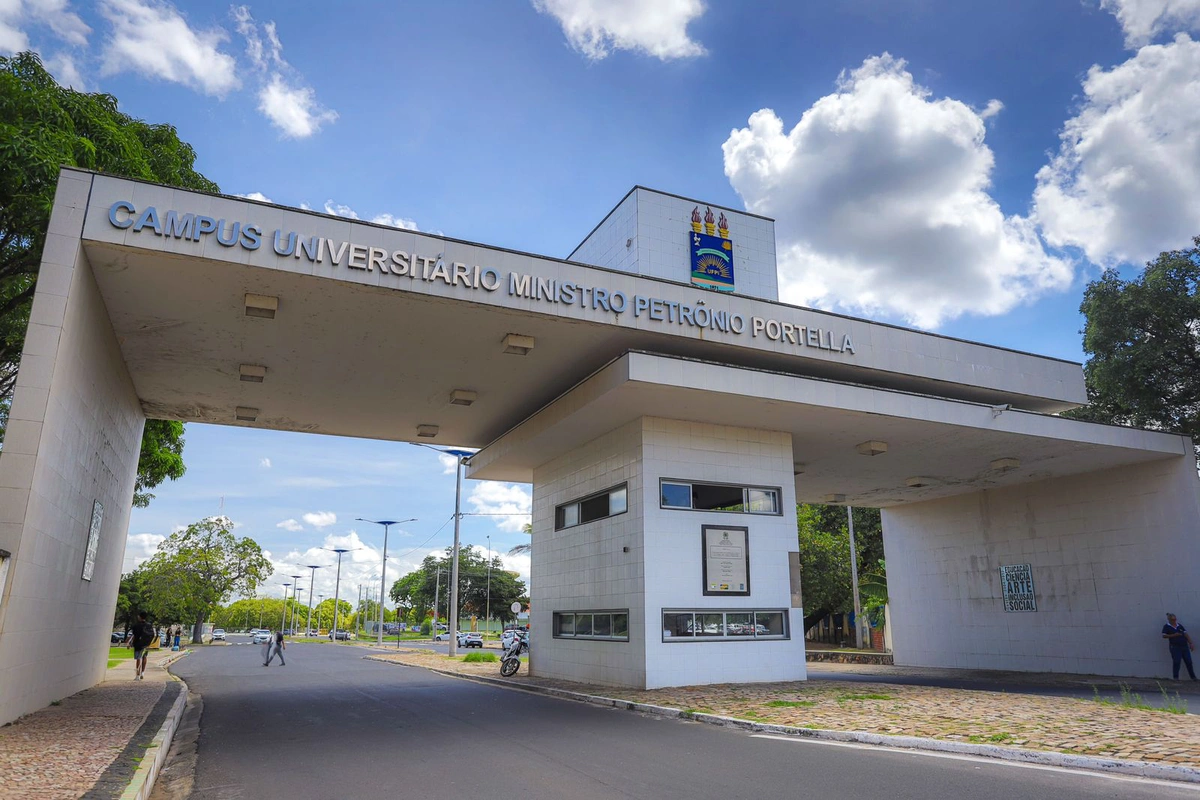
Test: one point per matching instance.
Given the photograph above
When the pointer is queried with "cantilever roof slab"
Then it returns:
(366, 312)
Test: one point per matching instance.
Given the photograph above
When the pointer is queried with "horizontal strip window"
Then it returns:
(610, 626)
(706, 625)
(604, 504)
(719, 497)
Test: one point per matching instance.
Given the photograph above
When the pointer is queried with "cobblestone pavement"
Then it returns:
(1059, 724)
(61, 750)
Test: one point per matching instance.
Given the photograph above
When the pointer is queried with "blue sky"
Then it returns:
(960, 167)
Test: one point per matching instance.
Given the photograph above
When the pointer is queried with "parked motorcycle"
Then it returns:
(510, 662)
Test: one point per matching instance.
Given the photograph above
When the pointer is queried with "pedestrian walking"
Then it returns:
(140, 637)
(1181, 646)
(280, 646)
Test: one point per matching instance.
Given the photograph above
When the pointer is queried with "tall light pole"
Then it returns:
(386, 523)
(488, 613)
(358, 613)
(858, 638)
(283, 616)
(437, 588)
(337, 586)
(295, 588)
(311, 576)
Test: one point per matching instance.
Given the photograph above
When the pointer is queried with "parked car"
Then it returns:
(507, 637)
(342, 636)
(218, 634)
(262, 637)
(466, 639)
(118, 637)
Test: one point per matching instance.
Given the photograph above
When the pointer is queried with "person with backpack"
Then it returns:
(140, 636)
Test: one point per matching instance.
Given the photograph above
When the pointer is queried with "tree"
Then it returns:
(198, 569)
(44, 126)
(824, 535)
(525, 548)
(417, 589)
(130, 599)
(1142, 339)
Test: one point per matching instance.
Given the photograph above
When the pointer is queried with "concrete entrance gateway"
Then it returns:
(668, 411)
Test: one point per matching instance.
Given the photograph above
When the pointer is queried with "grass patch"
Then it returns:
(847, 696)
(995, 738)
(480, 658)
(1172, 704)
(112, 662)
(790, 704)
(118, 653)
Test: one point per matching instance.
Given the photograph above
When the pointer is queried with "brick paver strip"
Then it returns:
(111, 784)
(61, 751)
(1057, 724)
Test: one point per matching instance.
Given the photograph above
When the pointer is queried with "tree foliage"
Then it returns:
(1142, 339)
(44, 126)
(416, 590)
(198, 569)
(825, 578)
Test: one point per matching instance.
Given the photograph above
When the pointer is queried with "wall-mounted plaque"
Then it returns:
(1016, 580)
(726, 560)
(89, 558)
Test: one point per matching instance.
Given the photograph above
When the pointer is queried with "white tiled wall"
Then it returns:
(724, 454)
(647, 234)
(1111, 552)
(585, 568)
(73, 437)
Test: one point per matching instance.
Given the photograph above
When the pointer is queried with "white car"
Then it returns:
(218, 634)
(262, 637)
(443, 636)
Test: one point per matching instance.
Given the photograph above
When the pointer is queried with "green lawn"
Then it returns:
(118, 654)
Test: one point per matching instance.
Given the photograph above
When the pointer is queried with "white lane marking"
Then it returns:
(1075, 771)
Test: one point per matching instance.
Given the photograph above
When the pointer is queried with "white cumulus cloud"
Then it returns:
(449, 463)
(139, 548)
(1122, 186)
(290, 525)
(1143, 20)
(265, 463)
(508, 504)
(320, 519)
(153, 38)
(342, 210)
(880, 198)
(283, 96)
(655, 27)
(259, 196)
(64, 24)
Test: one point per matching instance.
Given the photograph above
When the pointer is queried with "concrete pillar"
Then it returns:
(67, 469)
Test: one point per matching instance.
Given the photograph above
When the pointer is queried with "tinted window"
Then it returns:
(566, 624)
(620, 625)
(583, 624)
(602, 625)
(763, 501)
(676, 495)
(710, 497)
(769, 623)
(593, 508)
(677, 624)
(617, 503)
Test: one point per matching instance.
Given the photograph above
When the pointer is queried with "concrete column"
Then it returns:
(73, 440)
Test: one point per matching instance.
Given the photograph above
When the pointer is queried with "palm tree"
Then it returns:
(523, 549)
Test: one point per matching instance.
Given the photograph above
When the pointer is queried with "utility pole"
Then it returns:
(488, 613)
(453, 621)
(437, 586)
(858, 637)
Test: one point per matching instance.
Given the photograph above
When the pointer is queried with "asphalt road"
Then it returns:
(333, 725)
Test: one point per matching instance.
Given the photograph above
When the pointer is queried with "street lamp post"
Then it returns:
(488, 613)
(295, 588)
(337, 586)
(311, 576)
(386, 523)
(283, 616)
(858, 633)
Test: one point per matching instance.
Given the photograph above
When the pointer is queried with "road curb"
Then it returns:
(1110, 766)
(143, 779)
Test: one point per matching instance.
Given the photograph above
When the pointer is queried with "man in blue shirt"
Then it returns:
(1181, 646)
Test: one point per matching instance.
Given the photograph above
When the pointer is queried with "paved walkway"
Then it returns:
(1059, 724)
(63, 750)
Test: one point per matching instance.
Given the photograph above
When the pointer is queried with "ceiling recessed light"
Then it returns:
(871, 448)
(1005, 464)
(261, 305)
(834, 498)
(427, 431)
(252, 373)
(918, 482)
(245, 414)
(518, 345)
(462, 397)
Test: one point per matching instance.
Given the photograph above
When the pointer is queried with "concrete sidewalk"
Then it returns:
(83, 746)
(1035, 722)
